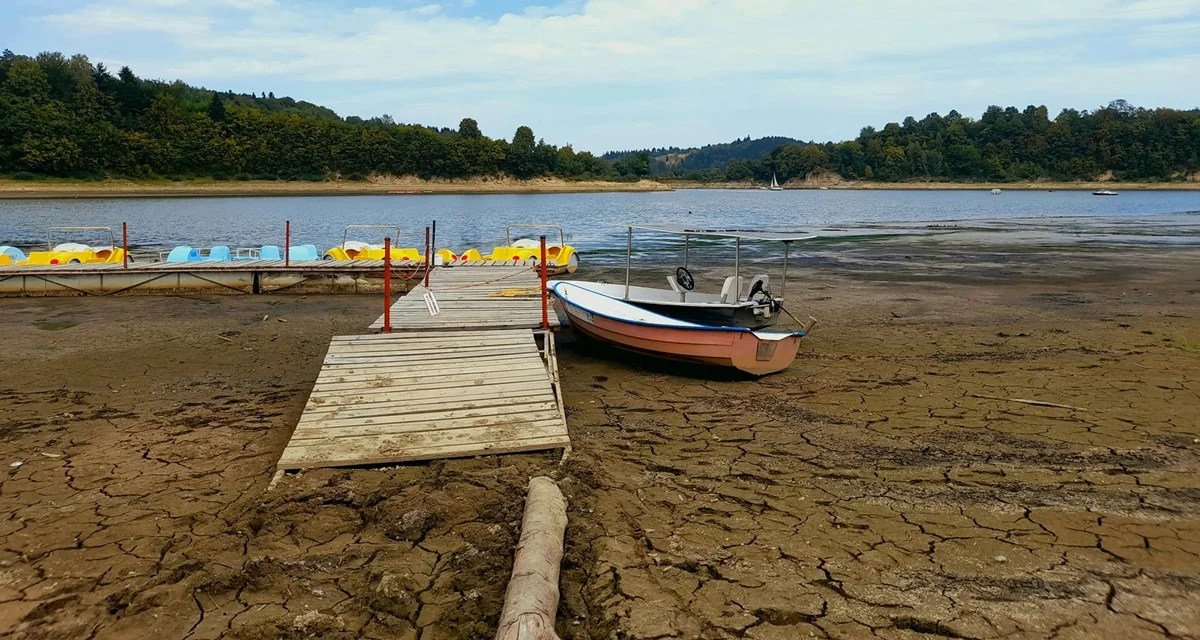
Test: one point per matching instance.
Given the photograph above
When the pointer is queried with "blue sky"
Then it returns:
(620, 74)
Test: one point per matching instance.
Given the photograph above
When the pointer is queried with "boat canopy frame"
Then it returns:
(112, 238)
(346, 231)
(787, 237)
(562, 235)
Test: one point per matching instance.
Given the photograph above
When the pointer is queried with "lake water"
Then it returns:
(592, 221)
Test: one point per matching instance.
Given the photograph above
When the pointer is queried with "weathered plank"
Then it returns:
(425, 395)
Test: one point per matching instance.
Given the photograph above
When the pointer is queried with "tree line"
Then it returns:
(1003, 145)
(63, 116)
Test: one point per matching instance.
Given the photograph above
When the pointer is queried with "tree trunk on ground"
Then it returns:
(532, 597)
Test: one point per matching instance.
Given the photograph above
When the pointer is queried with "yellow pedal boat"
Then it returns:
(356, 250)
(74, 252)
(560, 257)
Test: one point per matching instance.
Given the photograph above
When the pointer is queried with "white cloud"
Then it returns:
(807, 54)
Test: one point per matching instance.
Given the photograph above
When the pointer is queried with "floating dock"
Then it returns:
(473, 375)
(231, 276)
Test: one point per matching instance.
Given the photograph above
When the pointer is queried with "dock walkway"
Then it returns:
(469, 296)
(399, 397)
(470, 380)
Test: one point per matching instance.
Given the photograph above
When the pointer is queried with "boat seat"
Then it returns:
(303, 252)
(220, 253)
(766, 281)
(729, 290)
(14, 254)
(183, 254)
(269, 252)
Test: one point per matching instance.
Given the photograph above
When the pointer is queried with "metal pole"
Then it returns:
(433, 235)
(545, 301)
(125, 243)
(287, 244)
(387, 285)
(628, 259)
(687, 237)
(737, 270)
(426, 257)
(787, 248)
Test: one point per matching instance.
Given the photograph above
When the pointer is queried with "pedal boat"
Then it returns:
(76, 253)
(560, 257)
(633, 328)
(356, 250)
(10, 256)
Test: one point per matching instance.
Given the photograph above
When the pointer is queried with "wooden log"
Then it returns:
(532, 596)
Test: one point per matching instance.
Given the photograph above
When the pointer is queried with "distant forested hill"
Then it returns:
(711, 159)
(1119, 140)
(63, 116)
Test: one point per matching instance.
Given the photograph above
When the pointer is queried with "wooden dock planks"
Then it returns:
(497, 296)
(400, 397)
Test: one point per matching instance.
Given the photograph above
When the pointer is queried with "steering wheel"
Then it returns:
(684, 278)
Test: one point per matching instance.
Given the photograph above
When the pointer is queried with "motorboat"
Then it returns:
(635, 328)
(743, 303)
(74, 252)
(996, 192)
(560, 257)
(1104, 192)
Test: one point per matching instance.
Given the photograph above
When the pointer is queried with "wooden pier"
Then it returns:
(473, 296)
(477, 377)
(400, 397)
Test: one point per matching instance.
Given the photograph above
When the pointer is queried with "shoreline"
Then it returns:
(52, 188)
(948, 186)
(209, 188)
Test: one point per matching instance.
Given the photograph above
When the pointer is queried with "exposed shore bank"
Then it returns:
(951, 186)
(899, 476)
(65, 188)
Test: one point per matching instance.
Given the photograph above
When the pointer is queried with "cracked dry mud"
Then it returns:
(886, 485)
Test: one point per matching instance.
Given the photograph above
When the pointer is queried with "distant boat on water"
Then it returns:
(1104, 192)
(995, 192)
(774, 184)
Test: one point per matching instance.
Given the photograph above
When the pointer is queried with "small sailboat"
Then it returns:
(640, 330)
(1104, 192)
(774, 184)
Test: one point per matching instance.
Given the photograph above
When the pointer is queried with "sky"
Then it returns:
(626, 74)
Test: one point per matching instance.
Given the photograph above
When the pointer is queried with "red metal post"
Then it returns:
(125, 243)
(428, 260)
(545, 299)
(387, 285)
(287, 244)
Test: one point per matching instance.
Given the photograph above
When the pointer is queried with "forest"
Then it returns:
(1003, 145)
(67, 117)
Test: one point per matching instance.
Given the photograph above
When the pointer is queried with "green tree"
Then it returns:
(216, 108)
(468, 128)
